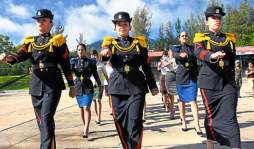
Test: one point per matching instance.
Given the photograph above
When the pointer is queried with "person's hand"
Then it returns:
(3, 57)
(183, 55)
(106, 52)
(218, 55)
(154, 91)
(72, 92)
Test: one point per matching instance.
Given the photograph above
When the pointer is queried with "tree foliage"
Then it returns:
(142, 22)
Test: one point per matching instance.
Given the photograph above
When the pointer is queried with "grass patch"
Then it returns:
(18, 85)
(4, 79)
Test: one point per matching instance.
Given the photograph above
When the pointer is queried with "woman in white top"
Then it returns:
(170, 81)
(163, 69)
(109, 71)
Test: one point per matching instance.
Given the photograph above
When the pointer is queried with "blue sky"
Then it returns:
(91, 17)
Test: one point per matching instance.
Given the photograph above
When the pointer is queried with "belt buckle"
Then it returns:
(221, 64)
(41, 66)
(126, 68)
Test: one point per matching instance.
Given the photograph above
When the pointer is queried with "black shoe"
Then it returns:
(199, 133)
(97, 122)
(184, 129)
(85, 136)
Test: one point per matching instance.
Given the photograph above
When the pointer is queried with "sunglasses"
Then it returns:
(41, 20)
(216, 17)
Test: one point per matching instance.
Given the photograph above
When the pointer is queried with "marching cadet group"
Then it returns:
(132, 78)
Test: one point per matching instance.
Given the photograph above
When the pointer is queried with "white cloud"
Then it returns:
(94, 21)
(8, 26)
(85, 20)
(17, 10)
(113, 6)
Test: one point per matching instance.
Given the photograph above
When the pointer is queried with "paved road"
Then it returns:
(18, 128)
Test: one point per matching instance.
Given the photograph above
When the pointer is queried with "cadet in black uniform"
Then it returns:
(128, 84)
(216, 81)
(45, 52)
(84, 68)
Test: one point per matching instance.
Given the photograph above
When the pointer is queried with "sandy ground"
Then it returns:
(18, 128)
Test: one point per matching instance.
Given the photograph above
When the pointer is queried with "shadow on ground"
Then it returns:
(245, 145)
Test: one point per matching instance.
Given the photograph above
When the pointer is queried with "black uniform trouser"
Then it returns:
(45, 108)
(128, 112)
(221, 122)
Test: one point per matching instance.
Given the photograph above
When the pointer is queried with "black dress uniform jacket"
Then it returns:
(221, 72)
(46, 52)
(128, 56)
(84, 68)
(187, 67)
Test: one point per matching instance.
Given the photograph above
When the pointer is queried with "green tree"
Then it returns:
(214, 3)
(178, 27)
(160, 43)
(142, 22)
(5, 44)
(194, 24)
(169, 35)
(240, 22)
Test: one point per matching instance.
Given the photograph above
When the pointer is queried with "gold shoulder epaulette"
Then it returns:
(142, 41)
(28, 39)
(57, 40)
(107, 40)
(231, 37)
(199, 37)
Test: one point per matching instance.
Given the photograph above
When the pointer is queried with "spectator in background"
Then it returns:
(238, 77)
(170, 81)
(98, 89)
(163, 69)
(109, 71)
(250, 75)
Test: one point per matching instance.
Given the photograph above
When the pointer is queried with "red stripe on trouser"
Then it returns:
(202, 55)
(38, 117)
(53, 143)
(209, 113)
(140, 139)
(118, 127)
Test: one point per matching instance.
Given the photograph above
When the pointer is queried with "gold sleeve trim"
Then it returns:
(141, 40)
(107, 40)
(28, 39)
(199, 37)
(231, 37)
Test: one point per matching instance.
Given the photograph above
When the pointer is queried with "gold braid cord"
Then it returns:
(57, 41)
(108, 40)
(124, 49)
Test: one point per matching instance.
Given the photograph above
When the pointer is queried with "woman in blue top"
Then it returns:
(186, 80)
(84, 68)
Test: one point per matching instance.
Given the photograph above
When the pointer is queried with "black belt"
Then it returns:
(82, 78)
(44, 66)
(130, 69)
